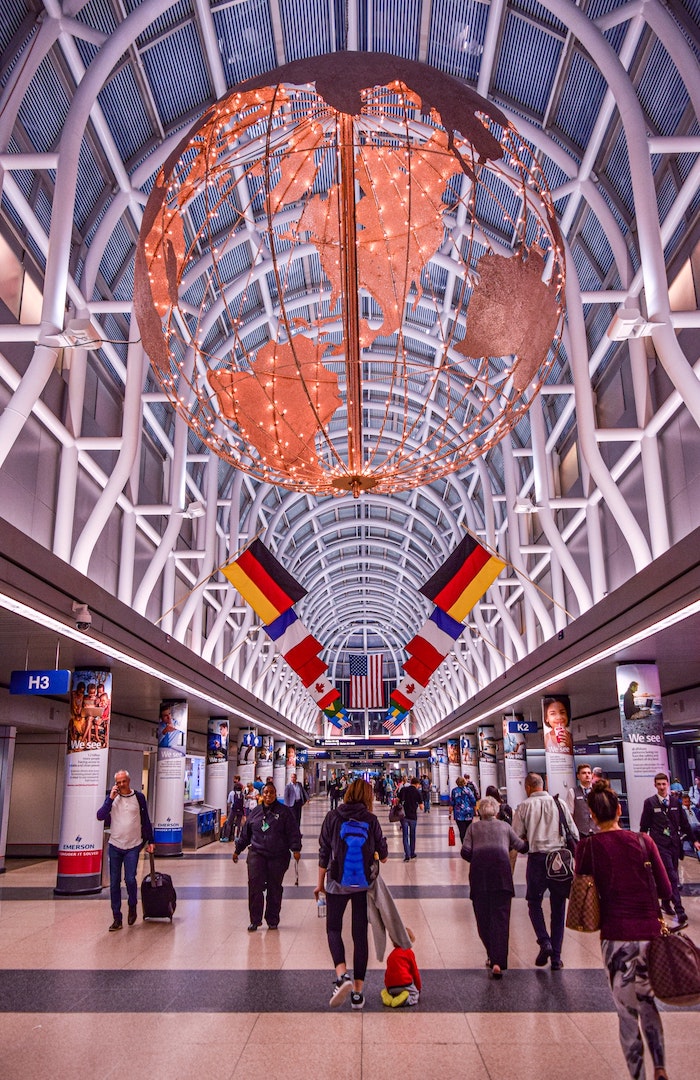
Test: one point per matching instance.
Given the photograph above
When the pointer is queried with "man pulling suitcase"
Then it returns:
(125, 813)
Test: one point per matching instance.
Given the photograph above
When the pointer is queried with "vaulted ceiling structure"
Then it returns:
(601, 474)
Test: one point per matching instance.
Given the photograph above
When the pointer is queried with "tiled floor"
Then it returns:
(202, 999)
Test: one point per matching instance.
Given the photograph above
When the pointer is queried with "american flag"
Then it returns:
(366, 686)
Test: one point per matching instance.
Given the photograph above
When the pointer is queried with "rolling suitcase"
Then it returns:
(158, 895)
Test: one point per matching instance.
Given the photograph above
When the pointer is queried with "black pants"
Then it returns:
(462, 827)
(492, 913)
(335, 909)
(265, 875)
(537, 884)
(670, 861)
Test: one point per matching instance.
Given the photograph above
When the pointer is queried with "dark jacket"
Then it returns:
(486, 846)
(105, 814)
(666, 825)
(276, 840)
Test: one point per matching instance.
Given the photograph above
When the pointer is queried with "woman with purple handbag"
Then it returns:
(629, 920)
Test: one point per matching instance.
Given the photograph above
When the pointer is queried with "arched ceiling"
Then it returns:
(96, 96)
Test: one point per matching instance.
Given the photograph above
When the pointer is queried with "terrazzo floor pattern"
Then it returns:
(203, 999)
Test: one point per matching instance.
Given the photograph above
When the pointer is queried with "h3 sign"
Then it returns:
(40, 682)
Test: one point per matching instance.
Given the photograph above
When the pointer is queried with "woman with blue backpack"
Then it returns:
(350, 844)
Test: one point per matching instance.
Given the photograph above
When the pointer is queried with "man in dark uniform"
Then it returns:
(577, 801)
(271, 832)
(667, 824)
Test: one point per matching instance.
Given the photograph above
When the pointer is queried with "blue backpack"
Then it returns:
(352, 858)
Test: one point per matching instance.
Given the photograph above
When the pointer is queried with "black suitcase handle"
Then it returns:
(153, 869)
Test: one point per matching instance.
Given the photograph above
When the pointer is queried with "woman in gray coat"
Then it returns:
(486, 847)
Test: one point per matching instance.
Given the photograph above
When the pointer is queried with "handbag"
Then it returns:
(396, 812)
(583, 912)
(451, 836)
(673, 960)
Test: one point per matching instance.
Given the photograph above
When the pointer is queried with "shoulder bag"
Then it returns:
(396, 812)
(559, 864)
(583, 912)
(673, 960)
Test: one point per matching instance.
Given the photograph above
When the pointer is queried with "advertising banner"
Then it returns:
(85, 783)
(454, 765)
(558, 744)
(642, 722)
(442, 774)
(279, 766)
(170, 777)
(216, 787)
(514, 757)
(291, 762)
(488, 757)
(265, 758)
(247, 754)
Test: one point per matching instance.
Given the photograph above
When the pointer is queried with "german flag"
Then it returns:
(463, 578)
(263, 582)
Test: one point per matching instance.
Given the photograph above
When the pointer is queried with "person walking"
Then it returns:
(125, 814)
(577, 801)
(295, 797)
(537, 821)
(486, 848)
(462, 806)
(666, 821)
(271, 832)
(350, 842)
(410, 798)
(630, 877)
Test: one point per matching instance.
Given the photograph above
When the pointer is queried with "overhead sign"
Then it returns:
(250, 739)
(40, 682)
(376, 742)
(524, 727)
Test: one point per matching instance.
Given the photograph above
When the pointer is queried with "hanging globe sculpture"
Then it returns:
(350, 276)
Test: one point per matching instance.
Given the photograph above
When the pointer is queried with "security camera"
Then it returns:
(83, 618)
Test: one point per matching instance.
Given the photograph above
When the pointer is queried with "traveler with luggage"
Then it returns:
(125, 814)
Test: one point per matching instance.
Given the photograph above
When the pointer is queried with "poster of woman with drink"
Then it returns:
(558, 743)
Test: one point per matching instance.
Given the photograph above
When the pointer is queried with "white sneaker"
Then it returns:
(342, 989)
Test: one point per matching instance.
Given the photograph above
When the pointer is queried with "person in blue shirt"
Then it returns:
(462, 806)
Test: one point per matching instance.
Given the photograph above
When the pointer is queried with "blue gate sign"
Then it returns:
(40, 682)
(525, 727)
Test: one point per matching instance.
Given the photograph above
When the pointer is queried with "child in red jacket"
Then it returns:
(402, 983)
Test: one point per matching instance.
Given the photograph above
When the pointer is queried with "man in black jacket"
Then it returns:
(667, 824)
(271, 832)
(410, 798)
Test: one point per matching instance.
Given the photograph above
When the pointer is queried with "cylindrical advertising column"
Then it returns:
(514, 750)
(642, 721)
(85, 783)
(216, 780)
(443, 775)
(453, 762)
(170, 778)
(488, 759)
(470, 758)
(246, 755)
(8, 737)
(265, 759)
(302, 763)
(291, 762)
(279, 769)
(558, 744)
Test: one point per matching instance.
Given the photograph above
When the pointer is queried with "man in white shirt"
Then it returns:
(125, 813)
(537, 821)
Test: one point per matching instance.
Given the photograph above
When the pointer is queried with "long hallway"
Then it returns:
(204, 998)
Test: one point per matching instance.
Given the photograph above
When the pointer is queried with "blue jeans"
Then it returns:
(129, 860)
(408, 828)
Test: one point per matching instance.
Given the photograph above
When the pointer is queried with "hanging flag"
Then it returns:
(339, 719)
(463, 578)
(416, 669)
(312, 670)
(292, 640)
(435, 639)
(323, 692)
(366, 686)
(406, 694)
(263, 582)
(394, 719)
